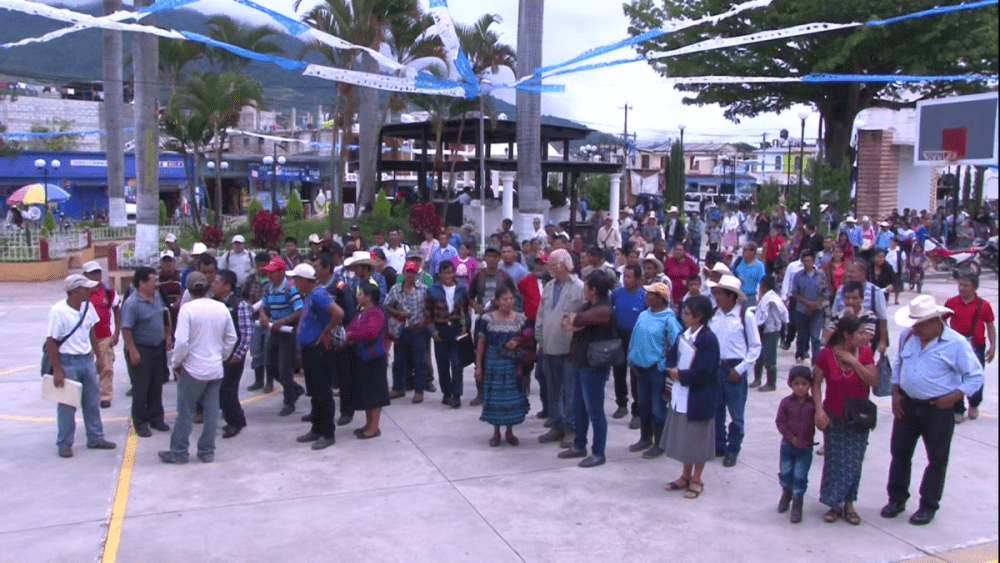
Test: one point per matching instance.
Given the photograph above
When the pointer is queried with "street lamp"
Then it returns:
(682, 126)
(802, 152)
(273, 163)
(43, 167)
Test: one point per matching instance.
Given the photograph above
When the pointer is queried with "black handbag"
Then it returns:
(602, 354)
(860, 414)
(46, 366)
(466, 350)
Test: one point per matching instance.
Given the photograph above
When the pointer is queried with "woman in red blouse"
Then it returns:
(834, 269)
(678, 266)
(774, 247)
(369, 388)
(848, 366)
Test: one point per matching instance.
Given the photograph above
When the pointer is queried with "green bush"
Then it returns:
(49, 223)
(293, 210)
(382, 206)
(253, 208)
(209, 216)
(555, 197)
(163, 212)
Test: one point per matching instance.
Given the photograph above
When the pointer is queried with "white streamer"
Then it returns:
(449, 37)
(760, 37)
(340, 44)
(88, 21)
(381, 82)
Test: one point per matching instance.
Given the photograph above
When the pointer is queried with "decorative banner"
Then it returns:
(933, 12)
(62, 14)
(287, 64)
(378, 81)
(84, 133)
(449, 38)
(760, 37)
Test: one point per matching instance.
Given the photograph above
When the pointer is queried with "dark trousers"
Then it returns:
(935, 426)
(624, 378)
(281, 364)
(446, 355)
(317, 365)
(344, 361)
(229, 395)
(147, 384)
(976, 398)
(791, 331)
(411, 349)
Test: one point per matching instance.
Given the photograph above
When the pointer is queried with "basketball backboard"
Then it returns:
(964, 127)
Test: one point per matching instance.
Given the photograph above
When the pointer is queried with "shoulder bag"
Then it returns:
(860, 414)
(603, 354)
(46, 364)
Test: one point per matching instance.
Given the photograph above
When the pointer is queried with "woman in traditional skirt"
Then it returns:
(689, 436)
(505, 399)
(730, 231)
(847, 365)
(369, 388)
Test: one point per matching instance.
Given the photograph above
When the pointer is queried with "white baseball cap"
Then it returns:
(304, 271)
(198, 248)
(92, 266)
(314, 239)
(167, 254)
(239, 239)
(75, 281)
(171, 237)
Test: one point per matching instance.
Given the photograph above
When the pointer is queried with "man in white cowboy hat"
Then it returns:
(237, 260)
(884, 236)
(739, 347)
(674, 227)
(934, 369)
(854, 232)
(197, 249)
(362, 265)
(182, 256)
(651, 232)
(652, 271)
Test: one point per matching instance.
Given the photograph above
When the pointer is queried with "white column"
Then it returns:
(507, 178)
(615, 205)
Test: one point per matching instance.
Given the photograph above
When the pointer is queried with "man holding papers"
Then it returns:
(69, 347)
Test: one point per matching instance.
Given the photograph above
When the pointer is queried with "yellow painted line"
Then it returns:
(21, 418)
(114, 535)
(15, 370)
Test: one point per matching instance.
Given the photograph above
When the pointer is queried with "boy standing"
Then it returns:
(796, 422)
(771, 315)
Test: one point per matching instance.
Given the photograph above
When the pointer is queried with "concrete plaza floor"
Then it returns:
(431, 489)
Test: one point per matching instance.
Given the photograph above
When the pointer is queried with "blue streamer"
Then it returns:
(294, 27)
(287, 64)
(163, 5)
(438, 3)
(598, 51)
(933, 12)
(84, 133)
(596, 66)
(465, 67)
(428, 81)
(818, 78)
(540, 88)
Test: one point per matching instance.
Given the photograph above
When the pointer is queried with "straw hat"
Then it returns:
(719, 267)
(659, 288)
(922, 308)
(729, 282)
(360, 258)
(652, 258)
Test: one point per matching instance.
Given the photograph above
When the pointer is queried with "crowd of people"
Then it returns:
(684, 337)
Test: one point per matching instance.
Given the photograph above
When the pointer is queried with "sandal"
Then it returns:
(852, 518)
(831, 515)
(693, 493)
(677, 485)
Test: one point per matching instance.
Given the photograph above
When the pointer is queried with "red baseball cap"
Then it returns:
(542, 257)
(276, 264)
(411, 267)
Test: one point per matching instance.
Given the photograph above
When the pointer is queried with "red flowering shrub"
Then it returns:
(266, 229)
(423, 217)
(211, 235)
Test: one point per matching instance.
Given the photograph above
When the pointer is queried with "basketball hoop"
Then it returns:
(940, 156)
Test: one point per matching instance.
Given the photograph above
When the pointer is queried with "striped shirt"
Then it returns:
(282, 300)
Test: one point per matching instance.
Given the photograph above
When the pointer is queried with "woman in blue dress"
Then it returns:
(505, 399)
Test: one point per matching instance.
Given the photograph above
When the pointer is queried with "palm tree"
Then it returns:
(249, 37)
(367, 23)
(188, 134)
(111, 55)
(218, 99)
(175, 55)
(147, 170)
(529, 106)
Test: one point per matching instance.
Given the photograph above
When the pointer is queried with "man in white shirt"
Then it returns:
(205, 337)
(739, 348)
(238, 260)
(609, 238)
(69, 346)
(395, 251)
(539, 231)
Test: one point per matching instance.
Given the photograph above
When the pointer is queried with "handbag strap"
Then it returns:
(975, 317)
(86, 308)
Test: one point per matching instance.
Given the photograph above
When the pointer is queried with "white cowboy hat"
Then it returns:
(731, 283)
(360, 258)
(721, 268)
(922, 308)
(652, 258)
(805, 205)
(850, 219)
(673, 209)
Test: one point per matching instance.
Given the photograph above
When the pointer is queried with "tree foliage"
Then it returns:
(250, 37)
(382, 207)
(597, 188)
(293, 210)
(957, 43)
(163, 212)
(253, 208)
(967, 187)
(676, 179)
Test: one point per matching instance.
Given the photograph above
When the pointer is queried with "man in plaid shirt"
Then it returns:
(232, 369)
(252, 292)
(406, 303)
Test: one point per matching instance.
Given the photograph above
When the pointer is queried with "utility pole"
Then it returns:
(628, 174)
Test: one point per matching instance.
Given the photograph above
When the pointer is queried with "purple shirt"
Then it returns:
(797, 419)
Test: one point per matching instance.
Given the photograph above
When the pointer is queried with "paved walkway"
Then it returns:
(431, 489)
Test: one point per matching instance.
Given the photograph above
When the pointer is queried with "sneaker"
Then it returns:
(730, 460)
(65, 451)
(286, 410)
(324, 443)
(620, 413)
(206, 458)
(591, 461)
(635, 423)
(168, 456)
(102, 445)
(307, 437)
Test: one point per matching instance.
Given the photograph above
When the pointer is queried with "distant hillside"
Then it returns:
(77, 57)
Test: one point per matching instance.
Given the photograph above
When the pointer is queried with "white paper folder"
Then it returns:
(68, 394)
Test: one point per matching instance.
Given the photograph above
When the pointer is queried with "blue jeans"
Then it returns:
(651, 406)
(809, 328)
(191, 391)
(446, 355)
(559, 375)
(411, 348)
(732, 397)
(258, 347)
(80, 367)
(588, 406)
(793, 472)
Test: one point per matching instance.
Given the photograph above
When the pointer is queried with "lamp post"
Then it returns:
(681, 189)
(802, 152)
(218, 180)
(43, 167)
(273, 162)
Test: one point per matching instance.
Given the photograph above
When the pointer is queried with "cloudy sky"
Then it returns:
(594, 98)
